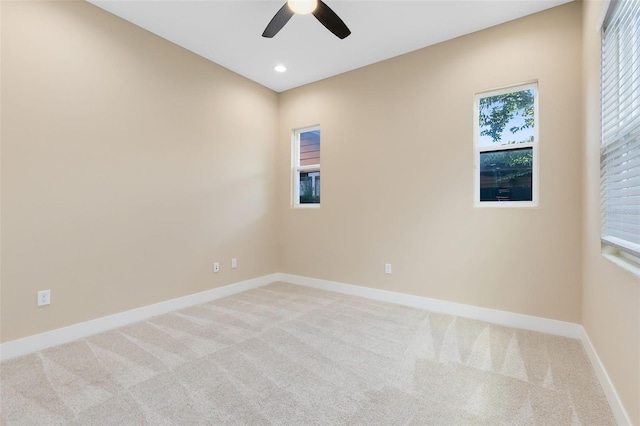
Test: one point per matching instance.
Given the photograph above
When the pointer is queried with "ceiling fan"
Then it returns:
(318, 8)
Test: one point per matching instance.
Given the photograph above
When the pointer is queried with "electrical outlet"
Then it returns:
(387, 268)
(44, 297)
(234, 263)
(216, 267)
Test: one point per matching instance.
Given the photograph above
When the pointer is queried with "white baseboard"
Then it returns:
(509, 319)
(73, 332)
(607, 386)
(60, 336)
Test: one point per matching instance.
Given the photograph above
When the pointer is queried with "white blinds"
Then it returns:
(620, 152)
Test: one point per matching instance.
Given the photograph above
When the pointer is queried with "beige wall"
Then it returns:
(125, 172)
(610, 295)
(397, 174)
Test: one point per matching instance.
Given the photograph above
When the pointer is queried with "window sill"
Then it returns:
(507, 204)
(625, 261)
(306, 206)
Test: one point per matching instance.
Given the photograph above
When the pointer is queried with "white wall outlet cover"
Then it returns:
(216, 267)
(387, 268)
(44, 297)
(234, 263)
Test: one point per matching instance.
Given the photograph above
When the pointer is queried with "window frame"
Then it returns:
(296, 168)
(623, 252)
(478, 150)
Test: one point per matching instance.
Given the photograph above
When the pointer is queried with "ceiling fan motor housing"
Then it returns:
(320, 10)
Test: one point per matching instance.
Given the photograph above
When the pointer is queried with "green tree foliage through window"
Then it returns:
(497, 111)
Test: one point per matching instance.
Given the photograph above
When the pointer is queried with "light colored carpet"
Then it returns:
(284, 354)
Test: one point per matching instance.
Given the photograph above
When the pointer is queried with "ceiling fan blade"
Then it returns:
(278, 21)
(329, 19)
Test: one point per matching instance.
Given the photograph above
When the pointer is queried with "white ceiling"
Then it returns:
(229, 32)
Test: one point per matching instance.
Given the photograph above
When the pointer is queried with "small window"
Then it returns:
(306, 167)
(506, 147)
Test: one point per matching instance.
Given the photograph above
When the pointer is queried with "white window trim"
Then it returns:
(534, 145)
(625, 260)
(623, 253)
(296, 168)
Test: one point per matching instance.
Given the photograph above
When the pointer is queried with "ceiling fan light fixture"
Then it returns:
(320, 10)
(302, 7)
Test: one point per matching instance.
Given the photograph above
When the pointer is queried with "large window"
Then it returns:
(506, 147)
(306, 167)
(620, 150)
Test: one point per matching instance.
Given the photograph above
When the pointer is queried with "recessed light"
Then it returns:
(280, 68)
